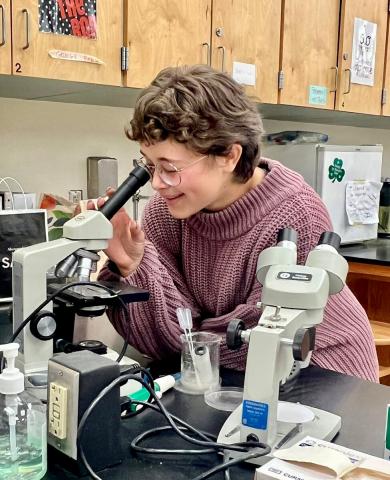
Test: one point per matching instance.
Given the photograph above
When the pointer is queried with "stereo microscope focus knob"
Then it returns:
(233, 334)
(304, 339)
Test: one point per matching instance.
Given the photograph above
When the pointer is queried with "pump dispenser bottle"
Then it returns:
(23, 445)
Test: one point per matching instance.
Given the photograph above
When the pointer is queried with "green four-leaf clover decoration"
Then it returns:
(336, 171)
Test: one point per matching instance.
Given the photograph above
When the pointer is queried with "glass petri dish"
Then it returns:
(226, 399)
(294, 413)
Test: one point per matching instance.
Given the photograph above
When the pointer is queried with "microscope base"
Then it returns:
(325, 426)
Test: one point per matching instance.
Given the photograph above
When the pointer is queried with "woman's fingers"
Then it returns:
(110, 191)
(136, 232)
(101, 201)
(91, 205)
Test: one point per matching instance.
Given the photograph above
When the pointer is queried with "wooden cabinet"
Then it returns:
(248, 31)
(370, 283)
(309, 52)
(5, 36)
(353, 97)
(69, 57)
(162, 33)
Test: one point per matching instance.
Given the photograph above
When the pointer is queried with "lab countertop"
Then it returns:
(351, 398)
(371, 251)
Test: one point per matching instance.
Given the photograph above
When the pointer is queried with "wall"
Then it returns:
(45, 144)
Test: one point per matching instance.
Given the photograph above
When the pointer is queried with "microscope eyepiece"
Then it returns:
(136, 179)
(287, 234)
(330, 238)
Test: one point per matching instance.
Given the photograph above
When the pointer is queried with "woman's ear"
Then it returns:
(229, 161)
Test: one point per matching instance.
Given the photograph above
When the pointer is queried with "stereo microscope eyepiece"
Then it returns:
(330, 238)
(287, 235)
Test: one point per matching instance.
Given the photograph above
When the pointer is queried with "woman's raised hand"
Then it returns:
(126, 248)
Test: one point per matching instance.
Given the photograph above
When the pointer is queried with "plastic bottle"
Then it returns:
(161, 385)
(23, 447)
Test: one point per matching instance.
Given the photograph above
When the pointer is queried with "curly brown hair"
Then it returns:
(203, 108)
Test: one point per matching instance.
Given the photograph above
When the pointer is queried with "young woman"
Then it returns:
(217, 205)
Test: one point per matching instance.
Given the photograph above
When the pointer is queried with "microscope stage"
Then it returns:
(88, 295)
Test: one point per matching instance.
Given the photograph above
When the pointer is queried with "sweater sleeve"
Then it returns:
(344, 339)
(152, 326)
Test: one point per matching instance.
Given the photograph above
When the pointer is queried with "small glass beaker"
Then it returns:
(199, 362)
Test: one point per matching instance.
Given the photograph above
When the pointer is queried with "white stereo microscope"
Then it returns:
(293, 302)
(74, 256)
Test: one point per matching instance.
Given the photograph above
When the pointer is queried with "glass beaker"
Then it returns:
(199, 362)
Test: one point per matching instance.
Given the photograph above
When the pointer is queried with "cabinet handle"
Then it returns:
(223, 49)
(336, 72)
(349, 80)
(2, 26)
(206, 44)
(25, 11)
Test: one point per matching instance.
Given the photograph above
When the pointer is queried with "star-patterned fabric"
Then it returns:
(68, 17)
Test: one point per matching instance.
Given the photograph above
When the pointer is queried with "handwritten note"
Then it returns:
(363, 52)
(362, 202)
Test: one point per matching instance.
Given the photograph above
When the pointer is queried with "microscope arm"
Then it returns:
(29, 285)
(269, 362)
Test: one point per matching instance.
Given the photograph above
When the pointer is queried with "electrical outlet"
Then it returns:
(58, 395)
(75, 196)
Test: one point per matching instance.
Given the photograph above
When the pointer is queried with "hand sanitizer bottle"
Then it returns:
(23, 446)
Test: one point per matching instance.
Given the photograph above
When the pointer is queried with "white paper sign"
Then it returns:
(362, 202)
(244, 73)
(363, 52)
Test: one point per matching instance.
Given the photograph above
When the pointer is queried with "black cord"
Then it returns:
(144, 405)
(223, 466)
(230, 463)
(55, 294)
(134, 444)
(50, 298)
(126, 342)
(16, 333)
(163, 451)
(124, 348)
(239, 447)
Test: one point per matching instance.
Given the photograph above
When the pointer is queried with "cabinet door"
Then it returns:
(68, 40)
(162, 33)
(309, 52)
(361, 62)
(386, 83)
(5, 36)
(248, 31)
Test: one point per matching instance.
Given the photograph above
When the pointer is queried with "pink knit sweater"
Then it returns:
(208, 263)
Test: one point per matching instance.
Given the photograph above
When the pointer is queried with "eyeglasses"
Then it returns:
(168, 173)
